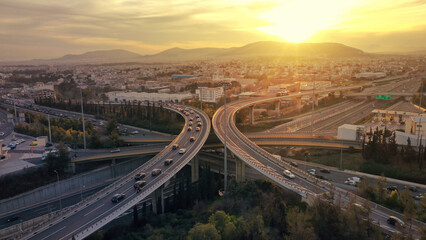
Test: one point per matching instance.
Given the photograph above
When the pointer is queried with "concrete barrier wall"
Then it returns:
(69, 186)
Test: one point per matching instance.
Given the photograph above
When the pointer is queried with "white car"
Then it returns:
(135, 132)
(1, 133)
(351, 182)
(288, 174)
(182, 150)
(116, 150)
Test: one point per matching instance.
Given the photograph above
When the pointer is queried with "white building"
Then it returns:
(318, 85)
(210, 95)
(118, 96)
(416, 125)
(350, 132)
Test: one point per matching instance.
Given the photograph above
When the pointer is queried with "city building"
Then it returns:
(370, 75)
(118, 96)
(210, 95)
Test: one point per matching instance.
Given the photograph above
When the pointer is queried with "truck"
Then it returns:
(353, 181)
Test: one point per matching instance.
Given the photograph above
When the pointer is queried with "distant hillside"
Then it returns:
(257, 49)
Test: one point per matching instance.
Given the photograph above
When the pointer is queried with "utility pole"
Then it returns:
(82, 116)
(313, 107)
(50, 130)
(225, 164)
(60, 200)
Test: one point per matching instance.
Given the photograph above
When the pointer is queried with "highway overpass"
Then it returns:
(307, 186)
(93, 213)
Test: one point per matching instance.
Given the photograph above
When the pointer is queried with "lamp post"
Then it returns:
(81, 192)
(225, 164)
(50, 130)
(82, 117)
(60, 200)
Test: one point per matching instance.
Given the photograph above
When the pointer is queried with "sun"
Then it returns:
(298, 20)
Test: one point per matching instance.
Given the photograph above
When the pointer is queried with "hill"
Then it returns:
(257, 49)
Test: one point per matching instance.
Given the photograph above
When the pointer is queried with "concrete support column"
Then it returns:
(298, 103)
(341, 94)
(240, 170)
(72, 167)
(195, 168)
(158, 193)
(277, 109)
(316, 99)
(251, 114)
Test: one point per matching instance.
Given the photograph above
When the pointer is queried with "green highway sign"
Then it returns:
(385, 97)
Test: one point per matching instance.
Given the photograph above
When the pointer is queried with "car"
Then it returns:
(418, 197)
(18, 141)
(175, 146)
(190, 123)
(48, 144)
(411, 188)
(13, 218)
(197, 116)
(168, 161)
(191, 119)
(140, 176)
(189, 129)
(34, 143)
(351, 182)
(118, 197)
(199, 124)
(22, 140)
(182, 150)
(156, 172)
(392, 188)
(311, 171)
(192, 139)
(288, 174)
(392, 220)
(1, 133)
(198, 120)
(294, 164)
(14, 139)
(2, 157)
(325, 170)
(11, 146)
(139, 184)
(135, 132)
(197, 129)
(115, 150)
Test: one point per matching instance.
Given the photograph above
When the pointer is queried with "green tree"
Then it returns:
(203, 232)
(223, 224)
(111, 126)
(299, 225)
(58, 160)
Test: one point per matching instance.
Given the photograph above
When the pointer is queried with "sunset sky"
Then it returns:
(46, 29)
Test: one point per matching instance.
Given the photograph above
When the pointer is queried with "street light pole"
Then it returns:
(50, 130)
(225, 164)
(81, 192)
(82, 116)
(60, 200)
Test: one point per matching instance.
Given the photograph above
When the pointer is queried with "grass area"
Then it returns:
(353, 160)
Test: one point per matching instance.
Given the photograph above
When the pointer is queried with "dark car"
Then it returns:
(168, 161)
(48, 144)
(192, 139)
(140, 176)
(156, 172)
(411, 188)
(13, 218)
(325, 171)
(392, 188)
(392, 220)
(139, 184)
(175, 146)
(189, 129)
(294, 164)
(118, 197)
(199, 124)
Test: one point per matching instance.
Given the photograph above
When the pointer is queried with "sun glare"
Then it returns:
(298, 20)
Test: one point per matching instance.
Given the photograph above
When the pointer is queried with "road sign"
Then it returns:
(384, 97)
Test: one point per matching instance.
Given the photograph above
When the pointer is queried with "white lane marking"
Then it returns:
(93, 210)
(54, 232)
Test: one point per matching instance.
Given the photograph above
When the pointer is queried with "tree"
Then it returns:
(299, 225)
(58, 160)
(223, 224)
(203, 232)
(111, 126)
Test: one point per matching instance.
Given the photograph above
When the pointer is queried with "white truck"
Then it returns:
(353, 181)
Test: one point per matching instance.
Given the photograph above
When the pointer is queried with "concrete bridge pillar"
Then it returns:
(195, 168)
(277, 109)
(316, 99)
(251, 114)
(298, 103)
(157, 195)
(240, 170)
(340, 94)
(71, 167)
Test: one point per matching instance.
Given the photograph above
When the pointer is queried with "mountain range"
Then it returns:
(173, 55)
